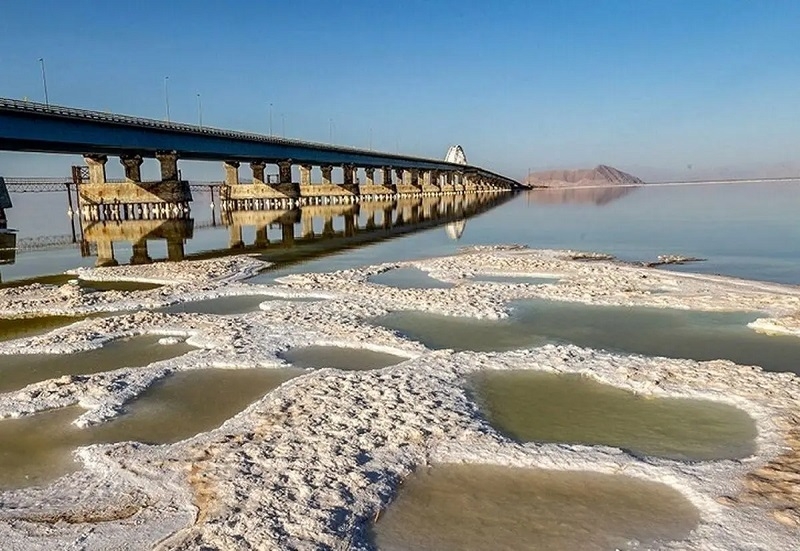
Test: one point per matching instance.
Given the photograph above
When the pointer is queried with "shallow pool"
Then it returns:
(225, 306)
(37, 449)
(408, 278)
(649, 331)
(339, 357)
(478, 507)
(19, 370)
(545, 407)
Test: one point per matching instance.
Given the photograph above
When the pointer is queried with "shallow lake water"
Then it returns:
(339, 357)
(15, 328)
(225, 306)
(19, 370)
(478, 507)
(408, 278)
(38, 449)
(545, 407)
(650, 331)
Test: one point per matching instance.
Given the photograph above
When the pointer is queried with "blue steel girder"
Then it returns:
(28, 126)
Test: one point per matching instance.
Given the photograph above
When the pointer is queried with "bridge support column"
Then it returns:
(347, 172)
(388, 180)
(285, 172)
(370, 172)
(133, 167)
(305, 175)
(231, 173)
(97, 168)
(169, 165)
(258, 167)
(327, 171)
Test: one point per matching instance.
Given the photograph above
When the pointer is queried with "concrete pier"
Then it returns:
(102, 199)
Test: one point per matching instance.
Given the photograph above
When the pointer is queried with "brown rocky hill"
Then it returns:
(601, 175)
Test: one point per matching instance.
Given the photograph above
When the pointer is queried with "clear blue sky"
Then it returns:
(639, 83)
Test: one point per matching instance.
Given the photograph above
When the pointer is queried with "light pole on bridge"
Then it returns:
(44, 82)
(166, 95)
(199, 111)
(270, 119)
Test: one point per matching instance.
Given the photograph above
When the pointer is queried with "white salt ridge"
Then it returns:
(309, 465)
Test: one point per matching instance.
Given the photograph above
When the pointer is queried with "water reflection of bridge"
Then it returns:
(292, 234)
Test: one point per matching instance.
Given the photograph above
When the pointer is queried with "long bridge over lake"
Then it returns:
(365, 174)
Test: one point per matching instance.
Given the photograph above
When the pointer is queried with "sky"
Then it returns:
(654, 86)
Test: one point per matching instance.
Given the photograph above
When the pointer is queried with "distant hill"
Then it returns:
(601, 175)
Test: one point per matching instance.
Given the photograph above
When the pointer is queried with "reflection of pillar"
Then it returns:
(327, 227)
(347, 171)
(105, 253)
(287, 233)
(327, 170)
(133, 167)
(305, 175)
(261, 237)
(140, 255)
(169, 165)
(370, 225)
(175, 252)
(97, 168)
(285, 172)
(258, 171)
(387, 217)
(231, 173)
(370, 172)
(235, 240)
(349, 225)
(307, 224)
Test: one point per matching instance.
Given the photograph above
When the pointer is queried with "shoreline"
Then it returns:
(287, 453)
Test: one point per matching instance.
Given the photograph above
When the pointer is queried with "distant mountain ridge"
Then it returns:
(601, 175)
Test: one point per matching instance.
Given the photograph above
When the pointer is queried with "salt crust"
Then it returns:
(310, 464)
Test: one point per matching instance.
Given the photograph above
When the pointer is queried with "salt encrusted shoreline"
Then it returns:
(309, 465)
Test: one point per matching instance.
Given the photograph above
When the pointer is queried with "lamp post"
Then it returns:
(283, 125)
(330, 130)
(44, 82)
(270, 119)
(166, 95)
(199, 111)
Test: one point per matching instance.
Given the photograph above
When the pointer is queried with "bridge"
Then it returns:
(36, 127)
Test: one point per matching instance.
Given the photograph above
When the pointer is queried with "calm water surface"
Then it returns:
(544, 407)
(340, 357)
(649, 331)
(17, 371)
(744, 230)
(480, 507)
(37, 449)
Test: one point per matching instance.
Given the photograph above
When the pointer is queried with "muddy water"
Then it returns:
(14, 328)
(17, 371)
(544, 407)
(339, 357)
(225, 306)
(480, 507)
(649, 331)
(408, 278)
(37, 449)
